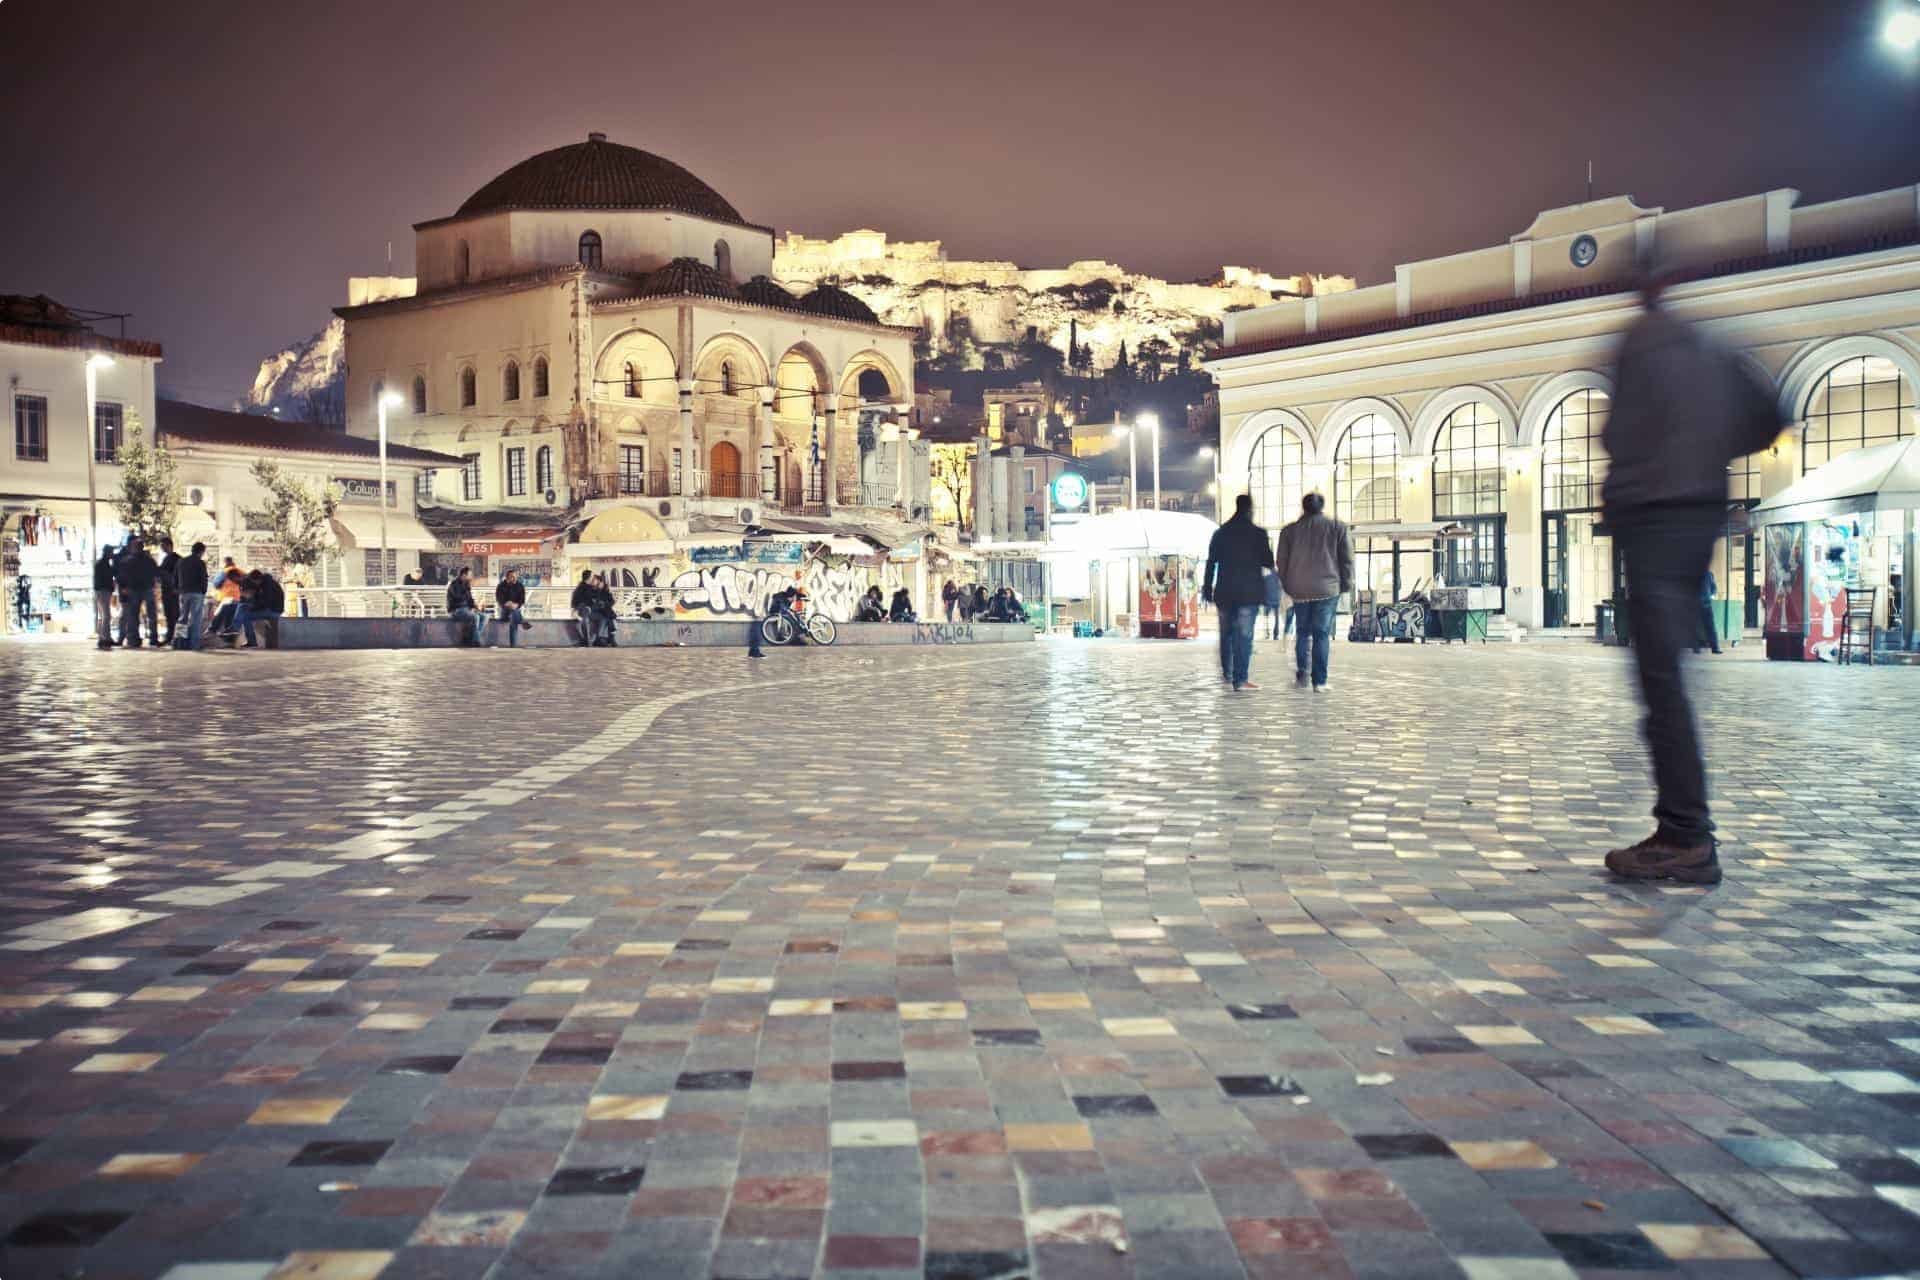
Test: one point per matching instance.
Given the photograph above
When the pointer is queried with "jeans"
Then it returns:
(170, 610)
(131, 606)
(1666, 555)
(103, 616)
(193, 612)
(1313, 638)
(248, 615)
(591, 626)
(1708, 633)
(468, 624)
(515, 623)
(1240, 622)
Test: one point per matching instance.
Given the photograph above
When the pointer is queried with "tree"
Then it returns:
(299, 514)
(951, 469)
(150, 495)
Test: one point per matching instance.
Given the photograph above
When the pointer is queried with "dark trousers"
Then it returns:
(1666, 555)
(132, 605)
(1238, 624)
(1708, 635)
(170, 609)
(1312, 647)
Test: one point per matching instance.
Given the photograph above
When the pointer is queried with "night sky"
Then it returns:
(219, 169)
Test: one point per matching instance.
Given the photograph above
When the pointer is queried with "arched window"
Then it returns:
(1573, 462)
(1276, 477)
(543, 468)
(1366, 467)
(510, 381)
(1467, 479)
(633, 381)
(726, 377)
(462, 262)
(419, 393)
(723, 258)
(590, 250)
(1859, 402)
(469, 394)
(539, 377)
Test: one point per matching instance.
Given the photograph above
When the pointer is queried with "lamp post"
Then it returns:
(1133, 469)
(388, 399)
(1152, 423)
(95, 363)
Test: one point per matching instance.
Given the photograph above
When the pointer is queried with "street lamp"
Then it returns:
(95, 363)
(1903, 27)
(1151, 422)
(1133, 469)
(388, 399)
(1212, 454)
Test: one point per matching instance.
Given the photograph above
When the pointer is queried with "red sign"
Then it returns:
(501, 547)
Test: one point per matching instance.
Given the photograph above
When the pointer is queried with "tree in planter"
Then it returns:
(298, 514)
(150, 494)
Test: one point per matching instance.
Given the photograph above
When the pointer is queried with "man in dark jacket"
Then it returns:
(1234, 583)
(510, 597)
(1315, 560)
(261, 600)
(582, 604)
(135, 572)
(1682, 410)
(103, 592)
(168, 578)
(462, 609)
(191, 576)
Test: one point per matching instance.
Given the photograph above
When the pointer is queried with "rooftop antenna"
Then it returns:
(1589, 195)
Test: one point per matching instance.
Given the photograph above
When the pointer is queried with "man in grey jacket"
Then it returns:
(1315, 560)
(1683, 409)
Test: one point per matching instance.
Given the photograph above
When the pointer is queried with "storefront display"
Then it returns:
(48, 550)
(1169, 597)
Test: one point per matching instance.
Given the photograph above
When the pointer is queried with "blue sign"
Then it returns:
(1069, 491)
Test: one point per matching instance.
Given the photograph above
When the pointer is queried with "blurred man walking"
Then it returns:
(1315, 559)
(1234, 585)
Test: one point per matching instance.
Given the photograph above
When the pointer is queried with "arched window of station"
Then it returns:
(1470, 489)
(1366, 472)
(1859, 402)
(1276, 477)
(539, 377)
(590, 250)
(510, 381)
(469, 388)
(1581, 570)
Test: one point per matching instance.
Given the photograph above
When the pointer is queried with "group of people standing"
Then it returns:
(130, 583)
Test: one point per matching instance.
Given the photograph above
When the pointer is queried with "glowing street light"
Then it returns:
(388, 400)
(1133, 468)
(1903, 28)
(95, 363)
(1151, 422)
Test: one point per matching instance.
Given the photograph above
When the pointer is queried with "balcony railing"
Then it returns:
(871, 495)
(630, 484)
(664, 484)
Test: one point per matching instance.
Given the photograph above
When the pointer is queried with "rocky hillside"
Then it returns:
(306, 382)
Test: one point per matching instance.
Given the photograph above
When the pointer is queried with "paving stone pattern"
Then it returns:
(1050, 962)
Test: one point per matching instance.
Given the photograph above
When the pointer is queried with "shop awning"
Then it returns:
(1411, 531)
(1885, 477)
(1117, 534)
(358, 528)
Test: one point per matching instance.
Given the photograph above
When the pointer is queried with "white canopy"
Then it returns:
(1885, 477)
(1118, 534)
(359, 527)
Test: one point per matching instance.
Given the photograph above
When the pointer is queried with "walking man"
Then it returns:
(1233, 584)
(191, 574)
(510, 596)
(462, 609)
(1315, 558)
(1682, 410)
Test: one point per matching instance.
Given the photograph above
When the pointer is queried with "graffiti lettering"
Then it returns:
(943, 633)
(743, 591)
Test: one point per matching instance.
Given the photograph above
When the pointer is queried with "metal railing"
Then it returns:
(629, 484)
(431, 601)
(871, 495)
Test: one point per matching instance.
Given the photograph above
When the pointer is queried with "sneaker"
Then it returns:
(1656, 858)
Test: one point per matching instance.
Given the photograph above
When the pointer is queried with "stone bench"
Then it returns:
(557, 633)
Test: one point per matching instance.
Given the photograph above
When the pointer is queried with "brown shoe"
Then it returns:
(1656, 858)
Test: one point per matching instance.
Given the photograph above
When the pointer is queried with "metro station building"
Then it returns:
(1467, 397)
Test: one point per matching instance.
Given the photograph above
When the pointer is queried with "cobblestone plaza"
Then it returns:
(1033, 961)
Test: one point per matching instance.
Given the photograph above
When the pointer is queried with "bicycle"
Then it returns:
(792, 622)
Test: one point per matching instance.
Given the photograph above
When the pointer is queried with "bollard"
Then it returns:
(753, 638)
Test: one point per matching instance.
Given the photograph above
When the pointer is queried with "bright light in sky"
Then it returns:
(1903, 28)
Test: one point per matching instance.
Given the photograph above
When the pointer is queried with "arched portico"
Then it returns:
(1427, 422)
(1341, 420)
(1548, 396)
(636, 364)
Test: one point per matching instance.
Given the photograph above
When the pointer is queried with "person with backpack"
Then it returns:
(1683, 408)
(1315, 561)
(1233, 582)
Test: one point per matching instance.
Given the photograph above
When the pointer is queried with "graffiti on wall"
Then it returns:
(833, 585)
(943, 633)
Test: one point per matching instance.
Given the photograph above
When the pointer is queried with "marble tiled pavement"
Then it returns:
(1047, 962)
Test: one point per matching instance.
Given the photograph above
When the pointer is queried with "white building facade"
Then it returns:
(1471, 392)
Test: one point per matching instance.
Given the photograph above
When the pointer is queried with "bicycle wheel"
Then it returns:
(777, 630)
(821, 628)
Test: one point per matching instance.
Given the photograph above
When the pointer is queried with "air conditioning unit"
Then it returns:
(749, 515)
(200, 495)
(663, 507)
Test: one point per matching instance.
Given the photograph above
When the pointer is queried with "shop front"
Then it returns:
(1838, 546)
(537, 555)
(1129, 572)
(46, 566)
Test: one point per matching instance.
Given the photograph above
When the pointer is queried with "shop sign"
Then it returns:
(1069, 491)
(727, 554)
(501, 547)
(365, 492)
(773, 553)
